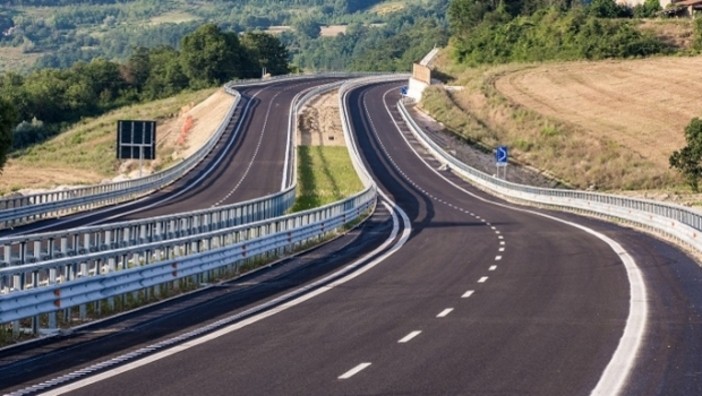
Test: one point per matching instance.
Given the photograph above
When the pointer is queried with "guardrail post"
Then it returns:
(52, 315)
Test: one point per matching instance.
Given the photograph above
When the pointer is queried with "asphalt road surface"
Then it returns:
(247, 163)
(482, 298)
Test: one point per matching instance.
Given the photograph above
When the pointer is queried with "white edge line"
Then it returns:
(263, 315)
(619, 368)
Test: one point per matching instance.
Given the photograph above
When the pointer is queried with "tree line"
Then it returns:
(498, 31)
(45, 101)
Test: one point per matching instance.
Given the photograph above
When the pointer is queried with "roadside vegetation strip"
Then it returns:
(85, 153)
(325, 175)
(581, 156)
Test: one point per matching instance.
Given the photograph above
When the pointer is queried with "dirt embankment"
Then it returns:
(77, 157)
(319, 122)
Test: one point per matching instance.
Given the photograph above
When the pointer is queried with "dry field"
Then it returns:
(608, 125)
(641, 105)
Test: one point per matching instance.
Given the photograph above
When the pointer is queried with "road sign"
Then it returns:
(502, 155)
(136, 139)
(404, 90)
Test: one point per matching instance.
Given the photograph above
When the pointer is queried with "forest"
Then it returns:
(61, 32)
(46, 100)
(497, 31)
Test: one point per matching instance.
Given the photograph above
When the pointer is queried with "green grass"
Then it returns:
(325, 175)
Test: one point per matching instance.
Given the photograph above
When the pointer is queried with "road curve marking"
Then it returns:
(356, 267)
(354, 371)
(619, 368)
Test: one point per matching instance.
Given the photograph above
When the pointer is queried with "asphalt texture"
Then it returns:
(483, 298)
(246, 163)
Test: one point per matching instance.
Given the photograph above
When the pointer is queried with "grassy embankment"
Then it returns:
(85, 154)
(325, 175)
(604, 154)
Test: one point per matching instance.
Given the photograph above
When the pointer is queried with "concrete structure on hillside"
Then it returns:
(421, 76)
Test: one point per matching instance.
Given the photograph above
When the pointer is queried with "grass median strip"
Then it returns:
(325, 175)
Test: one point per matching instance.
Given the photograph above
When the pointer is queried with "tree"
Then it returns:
(210, 56)
(8, 119)
(688, 160)
(604, 8)
(265, 50)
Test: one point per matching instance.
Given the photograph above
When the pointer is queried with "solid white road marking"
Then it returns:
(468, 294)
(617, 372)
(444, 313)
(483, 279)
(409, 337)
(406, 232)
(354, 371)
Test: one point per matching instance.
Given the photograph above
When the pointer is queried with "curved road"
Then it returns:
(247, 163)
(483, 298)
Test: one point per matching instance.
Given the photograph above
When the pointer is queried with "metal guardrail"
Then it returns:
(17, 210)
(53, 285)
(46, 287)
(678, 222)
(24, 209)
(28, 249)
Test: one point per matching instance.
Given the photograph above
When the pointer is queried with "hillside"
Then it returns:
(85, 153)
(57, 33)
(608, 125)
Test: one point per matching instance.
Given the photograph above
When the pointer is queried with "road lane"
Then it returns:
(247, 163)
(546, 322)
(485, 299)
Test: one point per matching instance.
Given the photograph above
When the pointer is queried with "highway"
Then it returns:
(247, 163)
(471, 296)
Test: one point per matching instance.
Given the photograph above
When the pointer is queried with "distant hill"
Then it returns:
(57, 33)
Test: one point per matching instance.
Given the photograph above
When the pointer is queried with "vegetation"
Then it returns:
(83, 148)
(528, 31)
(62, 32)
(47, 100)
(325, 175)
(8, 119)
(688, 160)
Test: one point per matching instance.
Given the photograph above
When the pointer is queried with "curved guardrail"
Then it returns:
(27, 249)
(33, 289)
(20, 210)
(17, 210)
(678, 222)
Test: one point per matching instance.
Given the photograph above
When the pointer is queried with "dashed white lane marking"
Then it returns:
(354, 371)
(498, 258)
(444, 313)
(500, 237)
(492, 268)
(502, 243)
(468, 294)
(409, 337)
(501, 249)
(483, 279)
